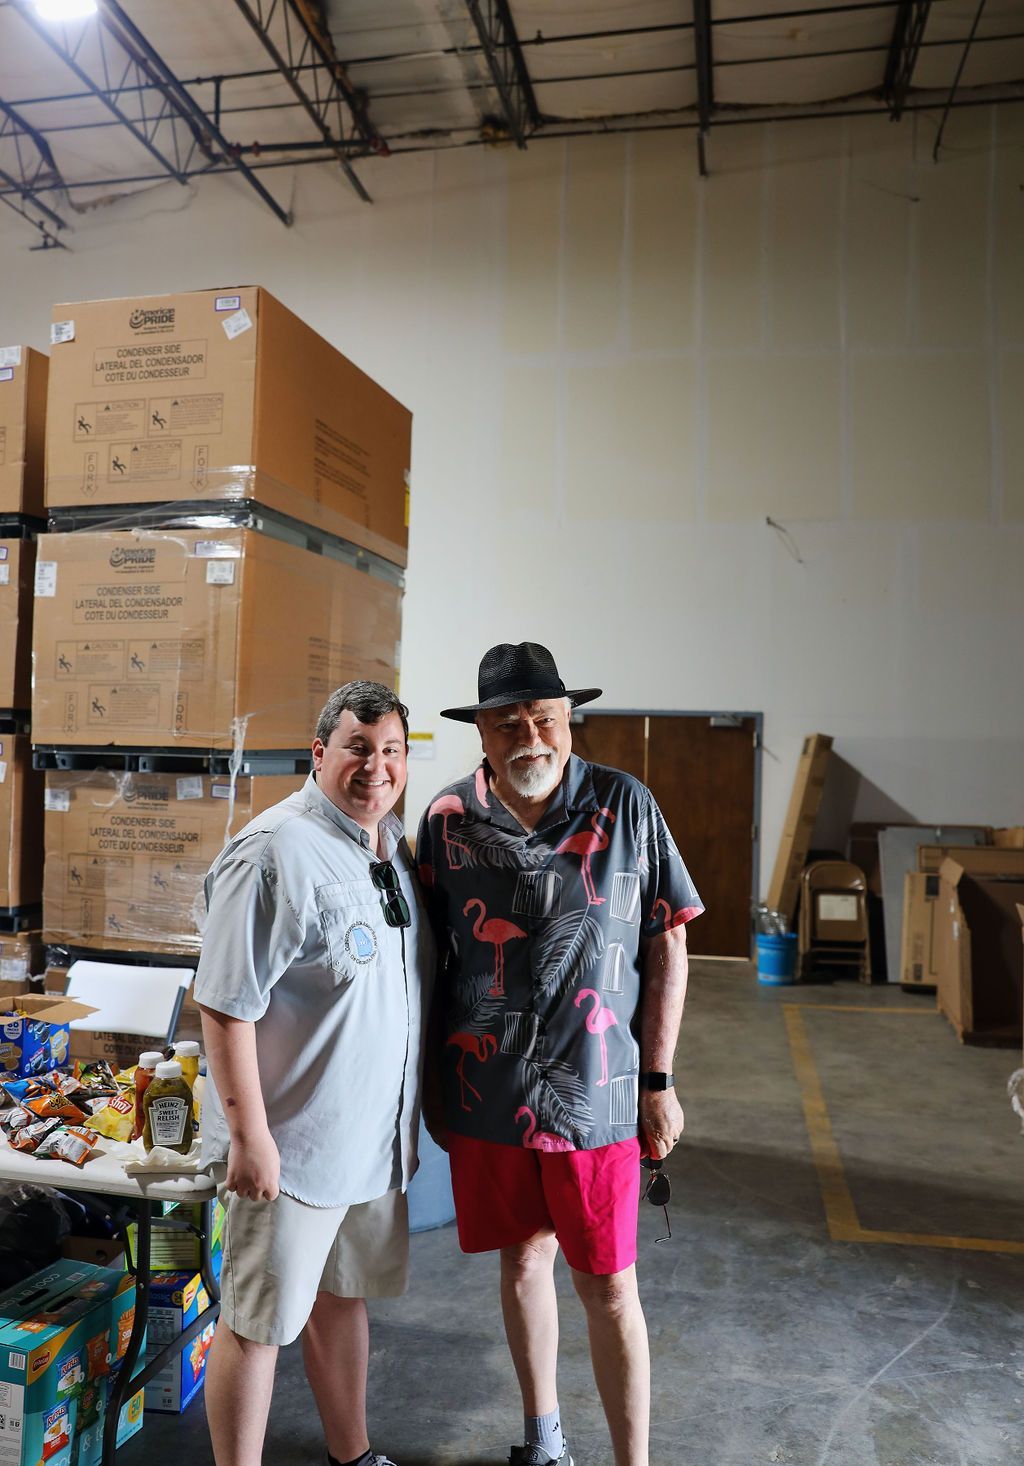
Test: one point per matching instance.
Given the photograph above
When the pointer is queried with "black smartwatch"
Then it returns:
(655, 1080)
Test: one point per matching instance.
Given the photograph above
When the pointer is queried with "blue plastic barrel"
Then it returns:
(776, 959)
(431, 1203)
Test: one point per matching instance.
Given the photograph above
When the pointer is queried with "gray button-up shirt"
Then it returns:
(296, 942)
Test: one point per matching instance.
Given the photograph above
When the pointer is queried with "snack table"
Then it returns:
(104, 1175)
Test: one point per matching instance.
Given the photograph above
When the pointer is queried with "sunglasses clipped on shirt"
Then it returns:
(392, 900)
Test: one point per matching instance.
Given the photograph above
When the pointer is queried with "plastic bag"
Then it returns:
(33, 1224)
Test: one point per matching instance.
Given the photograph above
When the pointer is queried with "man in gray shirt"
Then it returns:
(316, 967)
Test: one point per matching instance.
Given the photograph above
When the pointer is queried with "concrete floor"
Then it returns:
(771, 1342)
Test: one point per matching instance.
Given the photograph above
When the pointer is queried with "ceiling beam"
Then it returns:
(305, 58)
(496, 31)
(956, 80)
(115, 63)
(27, 163)
(907, 35)
(705, 77)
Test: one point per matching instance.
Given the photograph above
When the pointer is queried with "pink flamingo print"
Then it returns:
(497, 933)
(673, 919)
(585, 846)
(480, 785)
(535, 1139)
(445, 806)
(481, 1046)
(598, 1020)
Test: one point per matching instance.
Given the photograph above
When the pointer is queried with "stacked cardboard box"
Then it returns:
(23, 374)
(978, 920)
(17, 573)
(63, 1333)
(126, 854)
(21, 825)
(222, 395)
(172, 638)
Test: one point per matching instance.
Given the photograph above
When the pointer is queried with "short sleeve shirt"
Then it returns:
(296, 942)
(541, 935)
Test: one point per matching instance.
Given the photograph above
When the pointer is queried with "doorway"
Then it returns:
(704, 770)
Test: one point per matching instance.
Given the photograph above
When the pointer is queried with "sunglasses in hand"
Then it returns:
(658, 1191)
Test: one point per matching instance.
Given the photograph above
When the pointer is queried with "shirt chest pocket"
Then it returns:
(351, 919)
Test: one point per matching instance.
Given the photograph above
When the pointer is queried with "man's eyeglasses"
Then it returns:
(395, 906)
(658, 1191)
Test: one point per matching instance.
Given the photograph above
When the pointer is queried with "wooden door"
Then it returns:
(702, 772)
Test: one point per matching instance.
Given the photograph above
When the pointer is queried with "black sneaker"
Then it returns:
(371, 1458)
(537, 1456)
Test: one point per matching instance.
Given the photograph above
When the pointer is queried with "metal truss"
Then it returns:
(303, 53)
(503, 53)
(907, 36)
(705, 76)
(28, 169)
(956, 80)
(117, 65)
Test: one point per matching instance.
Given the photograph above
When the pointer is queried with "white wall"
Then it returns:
(618, 371)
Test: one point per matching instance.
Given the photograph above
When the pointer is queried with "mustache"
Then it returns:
(539, 752)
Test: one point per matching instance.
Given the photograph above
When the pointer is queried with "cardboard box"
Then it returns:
(975, 859)
(127, 854)
(919, 948)
(176, 1300)
(979, 970)
(62, 1335)
(176, 1248)
(223, 394)
(22, 430)
(40, 1041)
(1009, 838)
(798, 829)
(22, 959)
(161, 638)
(100, 1251)
(21, 824)
(17, 575)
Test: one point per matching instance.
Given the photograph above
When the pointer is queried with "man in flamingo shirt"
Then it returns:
(561, 903)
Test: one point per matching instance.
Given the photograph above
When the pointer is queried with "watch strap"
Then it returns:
(657, 1079)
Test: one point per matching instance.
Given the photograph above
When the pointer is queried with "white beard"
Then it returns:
(532, 779)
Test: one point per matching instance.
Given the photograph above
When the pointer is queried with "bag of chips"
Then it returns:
(116, 1120)
(71, 1145)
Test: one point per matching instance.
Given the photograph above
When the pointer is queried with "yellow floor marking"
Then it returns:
(840, 1212)
(863, 1008)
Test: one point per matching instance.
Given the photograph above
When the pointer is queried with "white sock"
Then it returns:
(545, 1431)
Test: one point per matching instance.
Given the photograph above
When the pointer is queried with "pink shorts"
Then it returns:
(504, 1194)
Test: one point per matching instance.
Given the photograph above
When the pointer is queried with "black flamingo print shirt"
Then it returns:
(541, 937)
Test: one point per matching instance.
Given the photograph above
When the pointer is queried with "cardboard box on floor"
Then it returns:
(979, 969)
(223, 394)
(181, 639)
(798, 829)
(21, 824)
(17, 572)
(22, 430)
(919, 964)
(126, 854)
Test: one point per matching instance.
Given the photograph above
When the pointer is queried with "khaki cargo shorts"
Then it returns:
(278, 1255)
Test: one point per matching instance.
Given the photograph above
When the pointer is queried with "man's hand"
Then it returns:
(254, 1167)
(661, 1122)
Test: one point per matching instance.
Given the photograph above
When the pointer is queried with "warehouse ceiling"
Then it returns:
(144, 91)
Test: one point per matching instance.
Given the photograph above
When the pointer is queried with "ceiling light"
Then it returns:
(58, 10)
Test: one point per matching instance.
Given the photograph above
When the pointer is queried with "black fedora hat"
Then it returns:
(523, 673)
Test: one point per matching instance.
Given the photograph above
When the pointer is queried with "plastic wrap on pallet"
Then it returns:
(169, 637)
(126, 853)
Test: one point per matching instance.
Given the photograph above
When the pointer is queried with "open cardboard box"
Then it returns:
(35, 1034)
(979, 986)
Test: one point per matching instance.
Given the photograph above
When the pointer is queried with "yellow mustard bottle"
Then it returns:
(167, 1110)
(187, 1054)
